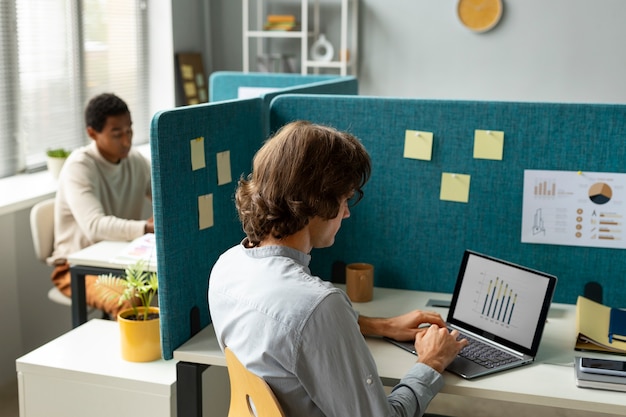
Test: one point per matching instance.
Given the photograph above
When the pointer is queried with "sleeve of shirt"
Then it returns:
(339, 373)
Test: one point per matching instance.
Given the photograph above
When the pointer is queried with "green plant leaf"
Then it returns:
(137, 284)
(58, 153)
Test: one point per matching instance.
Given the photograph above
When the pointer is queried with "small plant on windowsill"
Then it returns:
(55, 160)
(140, 335)
(58, 153)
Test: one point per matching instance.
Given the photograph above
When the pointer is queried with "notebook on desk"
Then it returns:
(500, 307)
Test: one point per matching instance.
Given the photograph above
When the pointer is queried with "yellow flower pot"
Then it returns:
(140, 339)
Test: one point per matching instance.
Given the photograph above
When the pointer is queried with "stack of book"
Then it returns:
(598, 380)
(280, 22)
(600, 328)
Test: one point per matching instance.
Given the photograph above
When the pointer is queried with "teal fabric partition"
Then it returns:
(224, 85)
(414, 239)
(185, 254)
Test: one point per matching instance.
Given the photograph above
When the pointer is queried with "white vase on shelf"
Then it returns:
(322, 50)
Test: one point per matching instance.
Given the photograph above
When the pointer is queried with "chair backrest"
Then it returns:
(42, 228)
(249, 394)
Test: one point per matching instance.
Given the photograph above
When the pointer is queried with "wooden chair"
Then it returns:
(249, 394)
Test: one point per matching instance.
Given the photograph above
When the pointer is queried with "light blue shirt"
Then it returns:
(301, 335)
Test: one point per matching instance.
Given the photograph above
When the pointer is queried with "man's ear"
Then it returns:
(92, 132)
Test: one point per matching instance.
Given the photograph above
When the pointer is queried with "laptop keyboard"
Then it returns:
(484, 354)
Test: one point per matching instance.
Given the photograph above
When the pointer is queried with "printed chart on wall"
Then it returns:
(574, 208)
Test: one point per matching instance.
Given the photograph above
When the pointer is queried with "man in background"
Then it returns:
(101, 194)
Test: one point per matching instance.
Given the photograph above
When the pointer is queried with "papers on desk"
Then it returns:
(141, 249)
(600, 328)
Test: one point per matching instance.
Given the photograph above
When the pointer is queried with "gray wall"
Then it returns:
(542, 50)
(191, 33)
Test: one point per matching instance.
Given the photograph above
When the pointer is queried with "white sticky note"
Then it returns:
(197, 153)
(223, 168)
(418, 145)
(205, 211)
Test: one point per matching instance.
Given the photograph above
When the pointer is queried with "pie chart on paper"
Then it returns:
(600, 193)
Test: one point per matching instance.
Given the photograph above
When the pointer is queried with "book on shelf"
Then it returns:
(280, 26)
(141, 249)
(280, 18)
(600, 328)
(280, 22)
(598, 381)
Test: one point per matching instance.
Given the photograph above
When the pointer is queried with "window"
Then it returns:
(54, 56)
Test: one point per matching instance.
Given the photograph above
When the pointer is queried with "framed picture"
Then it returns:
(192, 78)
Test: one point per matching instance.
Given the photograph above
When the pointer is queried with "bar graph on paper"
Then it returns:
(497, 300)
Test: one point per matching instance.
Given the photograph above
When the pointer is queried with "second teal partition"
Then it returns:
(415, 239)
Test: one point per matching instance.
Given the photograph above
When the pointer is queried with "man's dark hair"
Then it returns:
(102, 106)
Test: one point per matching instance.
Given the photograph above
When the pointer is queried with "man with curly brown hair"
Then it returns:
(296, 331)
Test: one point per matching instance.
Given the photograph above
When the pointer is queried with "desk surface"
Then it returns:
(104, 254)
(549, 381)
(91, 353)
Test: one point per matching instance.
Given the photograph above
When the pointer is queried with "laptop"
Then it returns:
(500, 307)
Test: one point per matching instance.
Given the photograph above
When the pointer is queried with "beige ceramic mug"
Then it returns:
(360, 282)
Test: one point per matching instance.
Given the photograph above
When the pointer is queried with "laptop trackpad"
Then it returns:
(465, 368)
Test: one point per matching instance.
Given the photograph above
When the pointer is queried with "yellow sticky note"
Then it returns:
(223, 168)
(187, 72)
(418, 145)
(488, 144)
(455, 187)
(205, 211)
(190, 89)
(197, 153)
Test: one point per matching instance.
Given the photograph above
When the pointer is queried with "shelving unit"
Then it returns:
(345, 56)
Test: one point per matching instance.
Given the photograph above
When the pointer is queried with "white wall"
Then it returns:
(542, 50)
(29, 319)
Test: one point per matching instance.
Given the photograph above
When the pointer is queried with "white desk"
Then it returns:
(96, 259)
(547, 382)
(82, 373)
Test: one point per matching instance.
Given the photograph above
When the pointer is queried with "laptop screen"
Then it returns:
(502, 301)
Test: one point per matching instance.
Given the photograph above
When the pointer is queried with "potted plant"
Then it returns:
(55, 159)
(140, 324)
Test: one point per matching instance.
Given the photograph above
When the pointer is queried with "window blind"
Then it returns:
(49, 97)
(8, 75)
(54, 56)
(115, 56)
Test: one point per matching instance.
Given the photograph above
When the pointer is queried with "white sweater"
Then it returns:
(98, 200)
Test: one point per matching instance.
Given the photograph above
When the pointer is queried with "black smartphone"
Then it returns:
(603, 366)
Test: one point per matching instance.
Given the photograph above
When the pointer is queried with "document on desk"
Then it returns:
(597, 329)
(141, 249)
